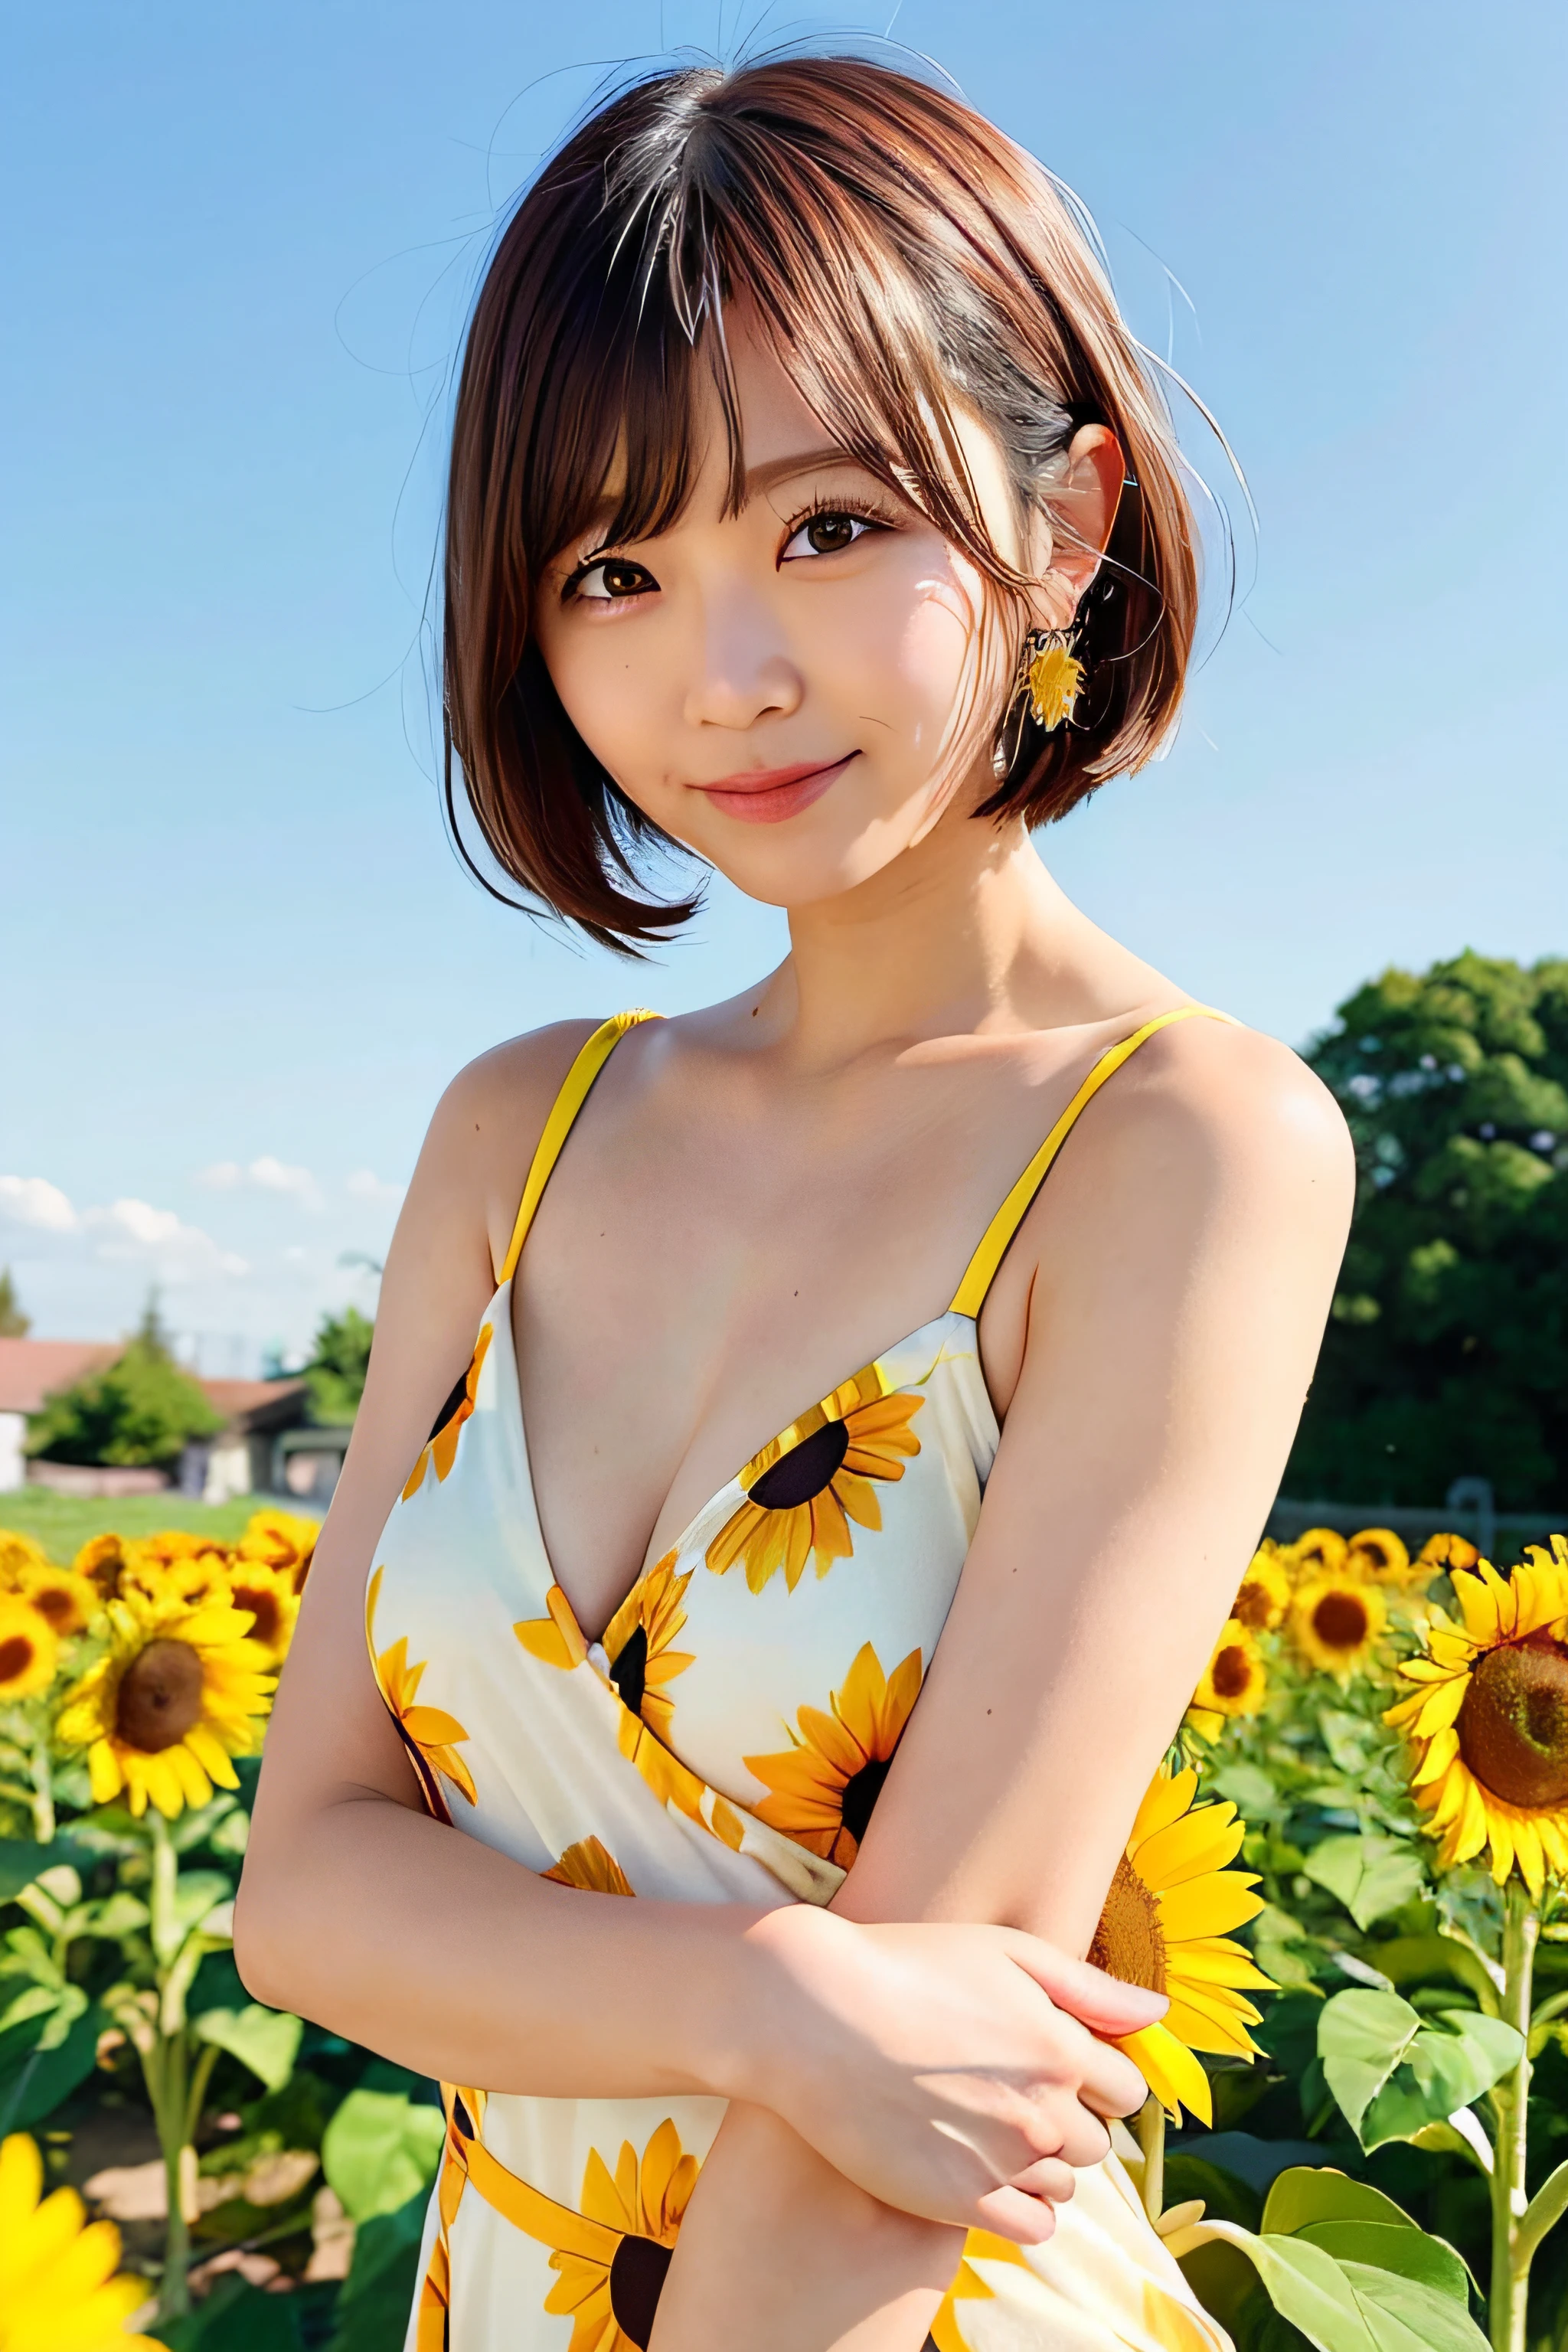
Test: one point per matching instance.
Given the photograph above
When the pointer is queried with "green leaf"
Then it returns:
(1362, 2037)
(1309, 2194)
(1406, 2250)
(265, 2040)
(235, 2317)
(1453, 2058)
(195, 1892)
(39, 2080)
(380, 2149)
(21, 1861)
(372, 2309)
(118, 1915)
(1371, 1874)
(1309, 2288)
(1413, 1959)
(1404, 2315)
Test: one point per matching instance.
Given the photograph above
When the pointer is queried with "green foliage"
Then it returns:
(1394, 2072)
(1447, 1352)
(139, 1412)
(373, 2310)
(334, 1377)
(14, 1324)
(380, 2150)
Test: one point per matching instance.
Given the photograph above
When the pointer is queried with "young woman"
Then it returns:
(812, 509)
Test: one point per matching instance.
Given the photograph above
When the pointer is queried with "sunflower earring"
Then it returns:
(1046, 685)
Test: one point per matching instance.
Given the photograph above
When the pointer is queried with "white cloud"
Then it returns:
(264, 1175)
(365, 1185)
(31, 1201)
(126, 1229)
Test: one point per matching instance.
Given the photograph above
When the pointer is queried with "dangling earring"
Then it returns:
(1046, 685)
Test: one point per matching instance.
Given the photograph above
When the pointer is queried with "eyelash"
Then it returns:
(856, 510)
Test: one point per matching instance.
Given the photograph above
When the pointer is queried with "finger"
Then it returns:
(1084, 2138)
(1111, 2083)
(1048, 2177)
(1026, 2221)
(1101, 2002)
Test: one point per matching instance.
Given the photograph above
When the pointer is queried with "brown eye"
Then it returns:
(612, 578)
(827, 532)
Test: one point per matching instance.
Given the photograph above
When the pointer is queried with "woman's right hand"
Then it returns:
(951, 2071)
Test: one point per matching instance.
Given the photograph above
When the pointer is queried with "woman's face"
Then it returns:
(799, 690)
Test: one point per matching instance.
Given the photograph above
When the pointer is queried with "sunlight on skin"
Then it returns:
(828, 627)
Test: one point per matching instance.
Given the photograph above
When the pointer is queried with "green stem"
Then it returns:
(174, 2295)
(167, 2066)
(44, 1822)
(1152, 2140)
(1508, 2301)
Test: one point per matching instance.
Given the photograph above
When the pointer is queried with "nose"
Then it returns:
(742, 670)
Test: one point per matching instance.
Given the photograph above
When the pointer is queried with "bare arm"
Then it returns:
(1184, 1256)
(349, 1890)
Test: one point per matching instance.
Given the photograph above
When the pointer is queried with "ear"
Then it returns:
(1077, 523)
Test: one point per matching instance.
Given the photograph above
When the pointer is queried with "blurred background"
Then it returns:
(238, 959)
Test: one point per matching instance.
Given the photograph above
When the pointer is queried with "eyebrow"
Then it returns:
(758, 478)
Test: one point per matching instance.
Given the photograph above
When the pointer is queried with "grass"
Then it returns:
(63, 1523)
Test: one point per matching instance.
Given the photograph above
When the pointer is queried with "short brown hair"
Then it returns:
(899, 253)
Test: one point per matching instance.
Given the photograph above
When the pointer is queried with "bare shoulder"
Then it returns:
(1210, 1116)
(488, 1121)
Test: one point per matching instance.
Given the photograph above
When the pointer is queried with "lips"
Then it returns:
(769, 796)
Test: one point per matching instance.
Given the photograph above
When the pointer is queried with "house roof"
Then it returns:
(255, 1404)
(31, 1369)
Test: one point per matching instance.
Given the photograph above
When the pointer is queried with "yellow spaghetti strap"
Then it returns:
(575, 1088)
(997, 1239)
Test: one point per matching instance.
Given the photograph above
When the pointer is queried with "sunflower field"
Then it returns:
(1349, 1875)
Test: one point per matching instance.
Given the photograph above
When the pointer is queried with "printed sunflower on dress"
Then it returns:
(441, 1446)
(431, 1736)
(821, 1790)
(1487, 1722)
(179, 1691)
(803, 1490)
(1167, 1924)
(612, 2259)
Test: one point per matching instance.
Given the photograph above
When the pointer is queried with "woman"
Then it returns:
(811, 508)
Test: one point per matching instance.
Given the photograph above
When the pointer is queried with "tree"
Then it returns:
(14, 1324)
(1446, 1350)
(334, 1377)
(139, 1412)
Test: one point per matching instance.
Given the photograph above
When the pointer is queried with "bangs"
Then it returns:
(904, 262)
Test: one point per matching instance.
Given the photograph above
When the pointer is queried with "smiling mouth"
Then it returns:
(769, 796)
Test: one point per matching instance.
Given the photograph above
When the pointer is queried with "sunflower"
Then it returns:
(821, 1790)
(441, 1446)
(178, 1691)
(636, 1644)
(29, 1650)
(1264, 1596)
(270, 1596)
(1444, 1551)
(1235, 1681)
(1055, 681)
(19, 1556)
(803, 1489)
(590, 1866)
(66, 1599)
(157, 1577)
(57, 2290)
(280, 1539)
(1336, 1622)
(431, 1736)
(1378, 1554)
(1320, 1551)
(1165, 1924)
(612, 2264)
(100, 1560)
(1488, 1723)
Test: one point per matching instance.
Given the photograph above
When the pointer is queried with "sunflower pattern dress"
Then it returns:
(725, 1742)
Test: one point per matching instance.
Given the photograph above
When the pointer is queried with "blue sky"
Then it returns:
(237, 959)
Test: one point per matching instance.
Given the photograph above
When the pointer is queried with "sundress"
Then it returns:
(724, 1742)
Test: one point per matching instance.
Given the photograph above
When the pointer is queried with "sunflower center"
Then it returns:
(16, 1657)
(1231, 1671)
(263, 1606)
(804, 1470)
(1513, 1724)
(160, 1697)
(54, 1604)
(1340, 1620)
(1252, 1606)
(636, 2280)
(1128, 1944)
(861, 1792)
(629, 1671)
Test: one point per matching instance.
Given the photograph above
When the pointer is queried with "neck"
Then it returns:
(965, 933)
